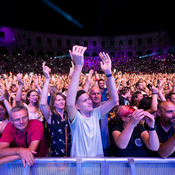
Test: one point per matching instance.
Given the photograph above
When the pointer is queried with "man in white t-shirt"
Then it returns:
(84, 120)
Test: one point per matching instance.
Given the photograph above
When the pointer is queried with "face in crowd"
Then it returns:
(101, 84)
(95, 95)
(84, 103)
(33, 96)
(166, 112)
(59, 102)
(3, 112)
(20, 119)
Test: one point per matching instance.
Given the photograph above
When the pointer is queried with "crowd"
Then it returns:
(94, 112)
(133, 64)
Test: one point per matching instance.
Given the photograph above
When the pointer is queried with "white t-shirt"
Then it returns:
(86, 135)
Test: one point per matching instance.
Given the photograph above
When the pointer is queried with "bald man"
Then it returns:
(96, 96)
(166, 129)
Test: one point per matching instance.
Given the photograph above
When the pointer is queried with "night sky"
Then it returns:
(103, 18)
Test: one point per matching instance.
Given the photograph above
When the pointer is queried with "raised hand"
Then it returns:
(77, 55)
(71, 68)
(2, 92)
(154, 89)
(105, 63)
(46, 70)
(149, 119)
(90, 75)
(136, 116)
(19, 77)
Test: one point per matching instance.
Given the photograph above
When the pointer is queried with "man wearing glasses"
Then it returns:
(22, 138)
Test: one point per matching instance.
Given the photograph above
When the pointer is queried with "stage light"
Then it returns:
(62, 56)
(61, 12)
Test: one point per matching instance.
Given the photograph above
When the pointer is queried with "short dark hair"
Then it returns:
(79, 93)
(168, 96)
(124, 90)
(100, 80)
(145, 103)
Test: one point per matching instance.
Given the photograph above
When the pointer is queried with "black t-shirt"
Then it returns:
(135, 148)
(163, 136)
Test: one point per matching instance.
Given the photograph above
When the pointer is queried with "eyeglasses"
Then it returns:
(19, 119)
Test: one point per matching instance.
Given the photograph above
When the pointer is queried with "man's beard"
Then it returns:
(171, 122)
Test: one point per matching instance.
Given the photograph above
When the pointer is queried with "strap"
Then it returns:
(26, 141)
(66, 133)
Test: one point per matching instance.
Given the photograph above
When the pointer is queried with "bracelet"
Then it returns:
(154, 93)
(152, 129)
(109, 75)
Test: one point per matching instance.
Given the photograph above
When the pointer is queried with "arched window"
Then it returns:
(94, 54)
(148, 52)
(59, 53)
(112, 55)
(129, 54)
(120, 54)
(86, 54)
(50, 54)
(4, 50)
(18, 51)
(139, 53)
(40, 53)
(159, 52)
(171, 50)
(29, 52)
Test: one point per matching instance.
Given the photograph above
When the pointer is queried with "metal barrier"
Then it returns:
(92, 166)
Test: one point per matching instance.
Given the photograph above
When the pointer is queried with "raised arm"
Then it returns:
(150, 137)
(122, 139)
(5, 101)
(44, 94)
(89, 81)
(160, 93)
(71, 69)
(77, 55)
(173, 85)
(37, 84)
(154, 101)
(19, 91)
(106, 67)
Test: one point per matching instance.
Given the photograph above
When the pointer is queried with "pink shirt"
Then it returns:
(34, 131)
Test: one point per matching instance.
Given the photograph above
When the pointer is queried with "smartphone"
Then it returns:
(149, 86)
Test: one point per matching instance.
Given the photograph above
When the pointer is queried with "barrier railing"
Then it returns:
(92, 166)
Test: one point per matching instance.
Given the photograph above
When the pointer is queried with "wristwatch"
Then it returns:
(152, 129)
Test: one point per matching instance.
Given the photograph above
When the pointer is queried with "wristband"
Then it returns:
(152, 129)
(154, 93)
(96, 79)
(109, 75)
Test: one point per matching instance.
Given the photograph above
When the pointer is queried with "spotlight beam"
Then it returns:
(61, 12)
(62, 56)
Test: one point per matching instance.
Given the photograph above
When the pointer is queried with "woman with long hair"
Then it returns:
(56, 118)
(32, 101)
(4, 117)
